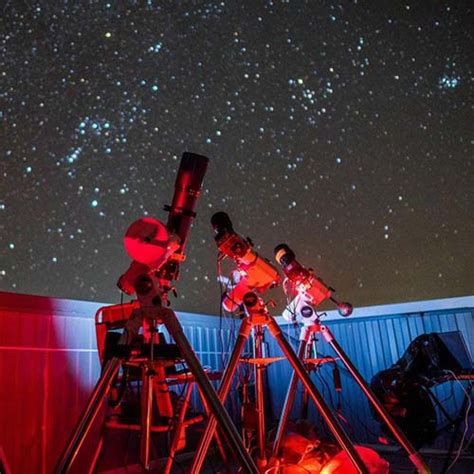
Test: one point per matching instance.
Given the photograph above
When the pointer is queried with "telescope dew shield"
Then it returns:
(221, 224)
(257, 272)
(187, 190)
(156, 247)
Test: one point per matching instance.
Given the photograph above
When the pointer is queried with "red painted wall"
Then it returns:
(48, 366)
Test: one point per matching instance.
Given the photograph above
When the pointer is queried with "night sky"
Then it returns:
(344, 129)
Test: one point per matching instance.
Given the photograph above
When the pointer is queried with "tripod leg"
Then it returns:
(161, 392)
(288, 405)
(414, 456)
(146, 416)
(178, 428)
(98, 450)
(224, 389)
(259, 396)
(307, 355)
(174, 327)
(88, 416)
(333, 423)
(217, 437)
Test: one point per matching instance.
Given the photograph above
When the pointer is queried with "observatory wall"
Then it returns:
(49, 364)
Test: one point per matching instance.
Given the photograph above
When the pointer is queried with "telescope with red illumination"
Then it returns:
(303, 281)
(159, 248)
(187, 189)
(257, 273)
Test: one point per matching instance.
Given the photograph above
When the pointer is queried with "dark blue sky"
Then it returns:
(341, 128)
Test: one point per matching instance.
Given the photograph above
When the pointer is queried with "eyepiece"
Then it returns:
(221, 223)
(284, 255)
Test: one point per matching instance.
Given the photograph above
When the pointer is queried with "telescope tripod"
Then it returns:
(150, 297)
(258, 318)
(307, 337)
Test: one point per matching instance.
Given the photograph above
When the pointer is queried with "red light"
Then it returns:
(146, 240)
(341, 464)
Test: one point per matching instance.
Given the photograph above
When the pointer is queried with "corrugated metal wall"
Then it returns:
(374, 343)
(48, 365)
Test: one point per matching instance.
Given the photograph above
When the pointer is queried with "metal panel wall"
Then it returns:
(373, 343)
(49, 364)
(48, 367)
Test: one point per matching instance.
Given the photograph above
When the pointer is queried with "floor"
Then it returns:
(399, 464)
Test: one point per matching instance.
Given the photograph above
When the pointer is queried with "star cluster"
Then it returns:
(341, 128)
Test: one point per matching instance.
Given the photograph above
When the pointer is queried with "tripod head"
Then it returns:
(256, 272)
(300, 309)
(310, 289)
(157, 249)
(254, 305)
